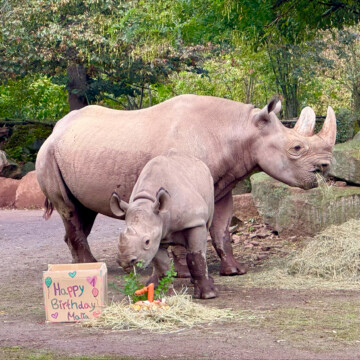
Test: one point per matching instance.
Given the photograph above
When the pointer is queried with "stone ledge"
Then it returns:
(293, 211)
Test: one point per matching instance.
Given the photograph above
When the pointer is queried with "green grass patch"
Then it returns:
(315, 324)
(19, 353)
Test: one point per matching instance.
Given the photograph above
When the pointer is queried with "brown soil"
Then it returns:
(266, 329)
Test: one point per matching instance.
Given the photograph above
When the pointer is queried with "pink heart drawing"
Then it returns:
(96, 313)
(92, 280)
(55, 315)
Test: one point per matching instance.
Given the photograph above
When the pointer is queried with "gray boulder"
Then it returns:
(293, 211)
(8, 168)
(346, 161)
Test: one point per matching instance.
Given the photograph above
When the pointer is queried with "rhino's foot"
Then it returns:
(231, 267)
(204, 289)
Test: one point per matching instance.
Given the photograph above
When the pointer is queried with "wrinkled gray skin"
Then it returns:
(172, 203)
(95, 150)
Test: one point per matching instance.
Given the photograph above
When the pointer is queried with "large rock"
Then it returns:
(8, 168)
(8, 189)
(242, 187)
(346, 161)
(29, 194)
(293, 211)
(244, 207)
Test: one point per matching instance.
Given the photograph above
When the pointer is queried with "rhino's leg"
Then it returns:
(78, 224)
(161, 264)
(180, 263)
(220, 236)
(196, 259)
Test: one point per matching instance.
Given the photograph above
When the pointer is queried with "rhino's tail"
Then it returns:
(49, 208)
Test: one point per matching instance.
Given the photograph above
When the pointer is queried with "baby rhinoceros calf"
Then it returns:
(172, 203)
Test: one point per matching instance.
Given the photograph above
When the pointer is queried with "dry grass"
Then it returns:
(330, 260)
(181, 312)
(334, 254)
(324, 187)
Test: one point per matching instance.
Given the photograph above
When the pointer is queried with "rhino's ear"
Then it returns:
(162, 201)
(274, 105)
(263, 117)
(118, 206)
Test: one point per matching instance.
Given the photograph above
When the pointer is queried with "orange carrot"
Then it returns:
(151, 292)
(149, 289)
(141, 291)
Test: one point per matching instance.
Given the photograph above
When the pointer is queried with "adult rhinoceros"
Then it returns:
(95, 151)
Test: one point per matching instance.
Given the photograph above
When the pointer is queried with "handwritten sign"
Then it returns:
(74, 292)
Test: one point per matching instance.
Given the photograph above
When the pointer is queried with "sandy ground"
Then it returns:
(28, 244)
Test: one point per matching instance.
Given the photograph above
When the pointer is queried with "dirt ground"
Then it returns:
(274, 324)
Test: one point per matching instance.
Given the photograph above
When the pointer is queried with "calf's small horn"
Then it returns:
(328, 130)
(306, 122)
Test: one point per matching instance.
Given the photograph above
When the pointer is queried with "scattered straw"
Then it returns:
(330, 260)
(334, 254)
(325, 188)
(181, 312)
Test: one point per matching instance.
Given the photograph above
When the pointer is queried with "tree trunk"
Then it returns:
(77, 84)
(291, 106)
(356, 97)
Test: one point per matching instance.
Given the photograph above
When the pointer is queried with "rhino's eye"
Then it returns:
(297, 149)
(147, 242)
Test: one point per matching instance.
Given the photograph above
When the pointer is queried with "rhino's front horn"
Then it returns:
(306, 122)
(328, 131)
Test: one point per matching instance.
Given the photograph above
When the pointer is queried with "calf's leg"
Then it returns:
(161, 264)
(180, 263)
(196, 259)
(220, 236)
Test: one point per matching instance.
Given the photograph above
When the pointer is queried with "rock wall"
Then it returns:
(21, 194)
(293, 211)
(346, 161)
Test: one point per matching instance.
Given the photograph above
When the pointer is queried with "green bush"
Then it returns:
(24, 142)
(33, 99)
(346, 125)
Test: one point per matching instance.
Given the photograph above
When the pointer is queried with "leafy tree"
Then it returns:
(33, 99)
(98, 49)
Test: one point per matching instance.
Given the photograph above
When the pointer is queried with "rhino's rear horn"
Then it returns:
(306, 122)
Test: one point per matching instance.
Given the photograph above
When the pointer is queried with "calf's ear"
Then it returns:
(118, 206)
(162, 201)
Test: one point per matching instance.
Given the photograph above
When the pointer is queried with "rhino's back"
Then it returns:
(99, 150)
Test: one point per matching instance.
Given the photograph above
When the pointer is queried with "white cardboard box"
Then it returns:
(74, 292)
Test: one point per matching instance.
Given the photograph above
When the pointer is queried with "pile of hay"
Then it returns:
(330, 260)
(181, 312)
(333, 254)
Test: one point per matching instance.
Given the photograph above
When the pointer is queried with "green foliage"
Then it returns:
(346, 122)
(124, 47)
(24, 142)
(133, 283)
(33, 99)
(165, 282)
(236, 76)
